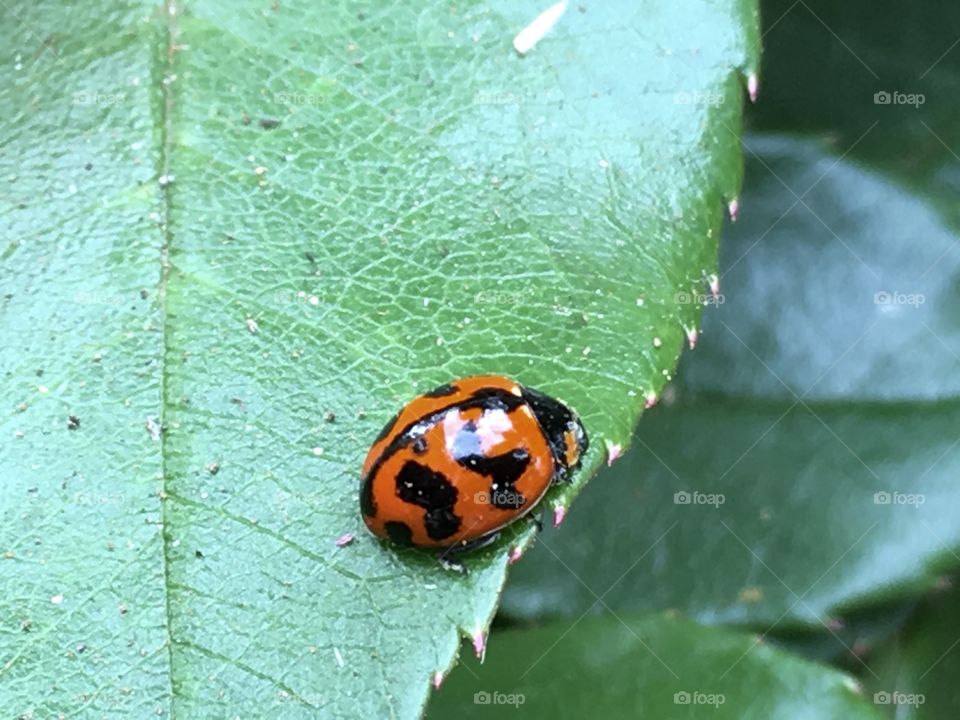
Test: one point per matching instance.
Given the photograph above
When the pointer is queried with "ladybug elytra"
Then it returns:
(459, 463)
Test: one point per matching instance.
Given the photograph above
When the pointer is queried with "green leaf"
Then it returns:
(914, 676)
(654, 667)
(850, 637)
(225, 225)
(827, 376)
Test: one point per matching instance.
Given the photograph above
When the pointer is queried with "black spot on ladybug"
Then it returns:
(503, 471)
(419, 485)
(367, 506)
(399, 532)
(419, 445)
(555, 419)
(494, 399)
(441, 523)
(387, 428)
(442, 391)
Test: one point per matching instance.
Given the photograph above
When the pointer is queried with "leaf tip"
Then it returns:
(853, 685)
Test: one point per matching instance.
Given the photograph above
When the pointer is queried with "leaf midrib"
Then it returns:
(163, 170)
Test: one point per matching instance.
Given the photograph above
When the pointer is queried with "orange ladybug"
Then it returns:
(459, 463)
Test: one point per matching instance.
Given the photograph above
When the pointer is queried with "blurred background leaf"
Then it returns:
(654, 667)
(914, 676)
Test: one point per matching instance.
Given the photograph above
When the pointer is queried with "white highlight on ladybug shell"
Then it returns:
(490, 428)
(533, 33)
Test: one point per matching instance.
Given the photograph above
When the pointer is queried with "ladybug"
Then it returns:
(459, 463)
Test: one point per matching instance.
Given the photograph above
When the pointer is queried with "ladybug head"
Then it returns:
(574, 443)
(561, 426)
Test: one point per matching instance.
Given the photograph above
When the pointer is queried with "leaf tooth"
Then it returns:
(650, 399)
(614, 451)
(714, 282)
(733, 208)
(480, 644)
(753, 86)
(559, 513)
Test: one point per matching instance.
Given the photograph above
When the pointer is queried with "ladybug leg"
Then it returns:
(451, 565)
(561, 476)
(538, 519)
(450, 558)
